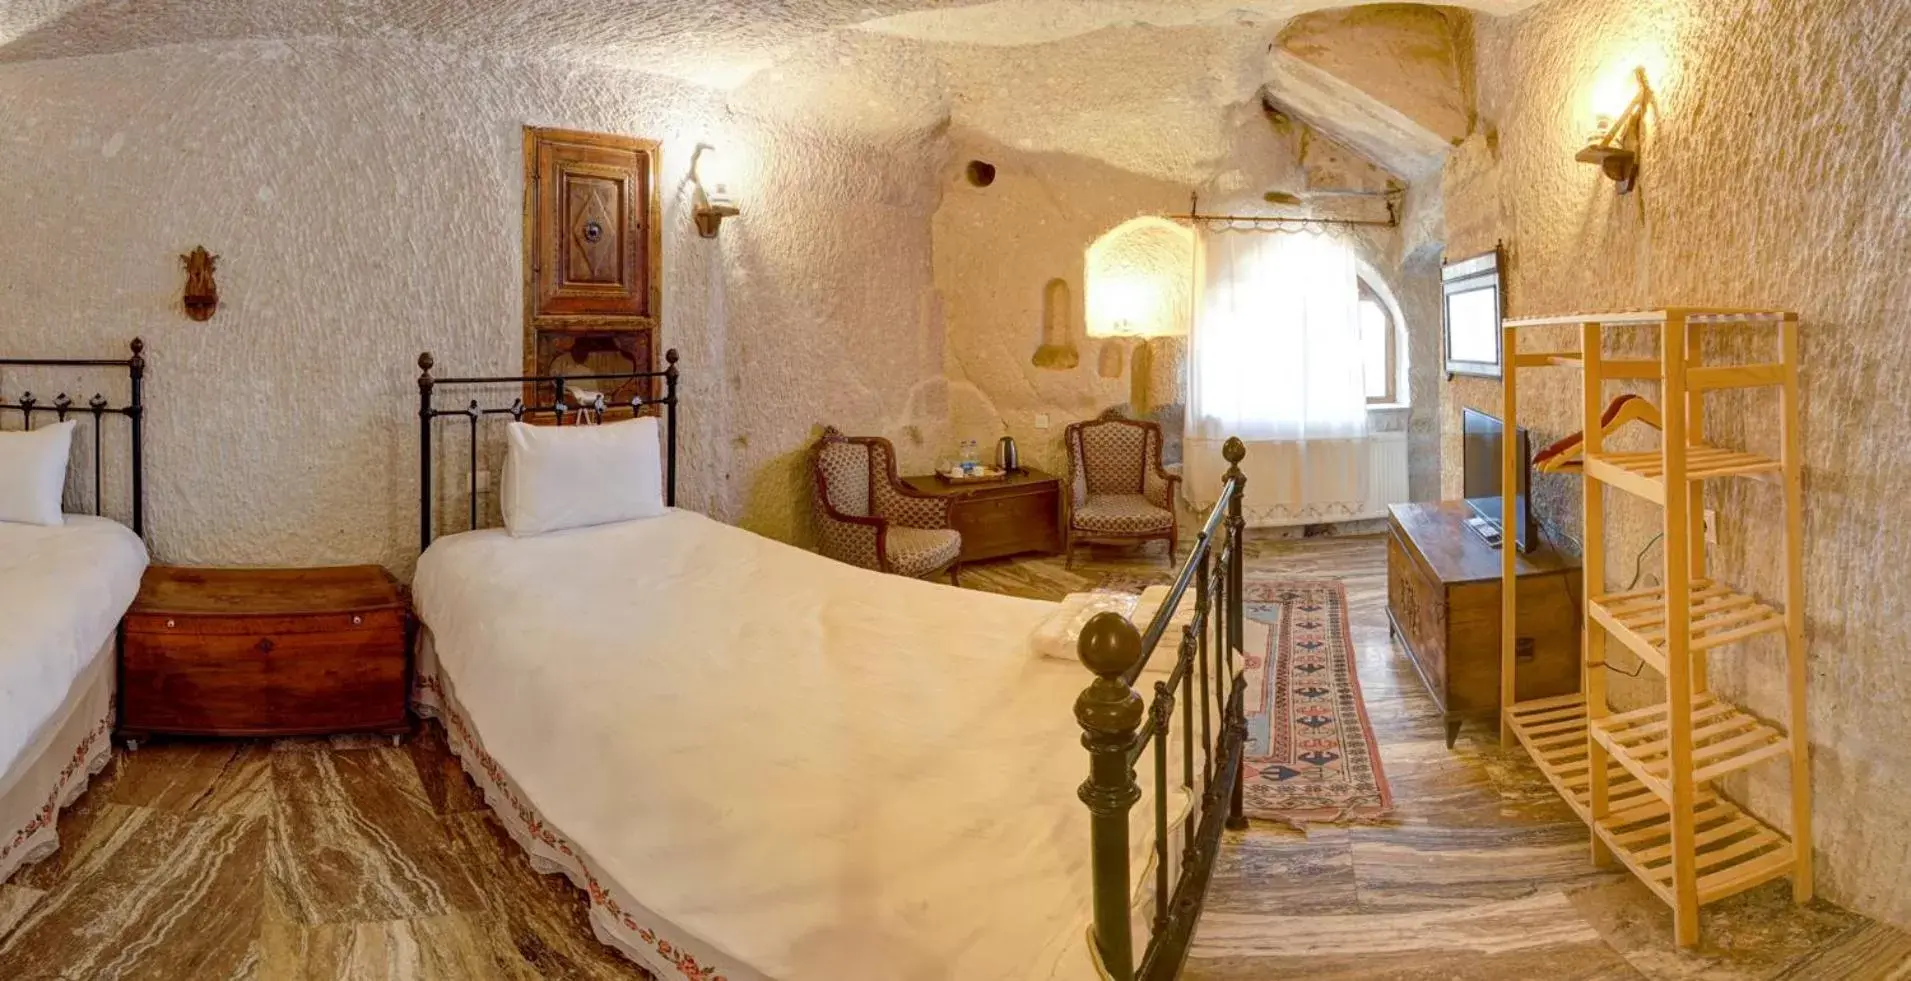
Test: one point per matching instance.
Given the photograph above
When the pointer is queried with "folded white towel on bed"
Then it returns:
(1057, 636)
(1150, 603)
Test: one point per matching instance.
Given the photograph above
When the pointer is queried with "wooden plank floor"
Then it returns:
(350, 859)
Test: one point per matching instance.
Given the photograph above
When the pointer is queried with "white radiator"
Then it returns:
(1386, 484)
(1387, 473)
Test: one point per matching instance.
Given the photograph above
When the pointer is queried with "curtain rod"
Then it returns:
(1194, 214)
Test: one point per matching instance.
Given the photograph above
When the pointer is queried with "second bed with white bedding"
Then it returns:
(803, 770)
(63, 590)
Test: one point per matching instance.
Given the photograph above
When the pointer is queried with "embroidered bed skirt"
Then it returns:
(57, 764)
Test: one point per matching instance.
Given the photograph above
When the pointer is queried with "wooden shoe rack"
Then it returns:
(1642, 778)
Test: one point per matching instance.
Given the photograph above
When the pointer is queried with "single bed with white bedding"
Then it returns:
(765, 765)
(798, 769)
(65, 582)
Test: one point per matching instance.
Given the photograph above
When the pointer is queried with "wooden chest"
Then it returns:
(1008, 517)
(258, 652)
(1443, 602)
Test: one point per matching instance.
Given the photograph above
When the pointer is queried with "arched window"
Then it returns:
(1381, 330)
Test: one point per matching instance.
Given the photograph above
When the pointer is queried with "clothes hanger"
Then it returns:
(1566, 455)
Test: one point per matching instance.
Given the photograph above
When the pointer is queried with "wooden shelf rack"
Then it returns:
(1724, 741)
(1641, 778)
(1553, 731)
(1717, 614)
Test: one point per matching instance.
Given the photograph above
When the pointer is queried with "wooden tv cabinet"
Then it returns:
(1443, 602)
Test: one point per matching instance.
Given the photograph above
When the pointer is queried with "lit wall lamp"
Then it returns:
(713, 201)
(1614, 145)
(1138, 309)
(1139, 290)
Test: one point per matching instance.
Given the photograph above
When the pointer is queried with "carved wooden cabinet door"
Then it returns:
(592, 250)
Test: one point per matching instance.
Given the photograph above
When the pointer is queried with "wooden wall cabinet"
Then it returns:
(593, 253)
(1443, 602)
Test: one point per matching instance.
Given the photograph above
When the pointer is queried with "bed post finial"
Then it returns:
(424, 450)
(1109, 711)
(1234, 451)
(670, 428)
(136, 415)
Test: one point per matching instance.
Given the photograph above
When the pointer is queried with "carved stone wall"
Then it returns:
(365, 200)
(1773, 176)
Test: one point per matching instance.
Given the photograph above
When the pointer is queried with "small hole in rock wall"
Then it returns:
(980, 173)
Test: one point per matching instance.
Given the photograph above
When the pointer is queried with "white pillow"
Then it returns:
(33, 474)
(558, 477)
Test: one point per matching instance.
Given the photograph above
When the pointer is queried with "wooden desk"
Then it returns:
(1005, 517)
(1443, 602)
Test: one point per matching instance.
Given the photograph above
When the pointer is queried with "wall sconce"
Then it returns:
(1139, 329)
(1138, 292)
(1614, 146)
(713, 200)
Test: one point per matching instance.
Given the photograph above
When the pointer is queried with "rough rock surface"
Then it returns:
(864, 286)
(381, 217)
(997, 248)
(1773, 177)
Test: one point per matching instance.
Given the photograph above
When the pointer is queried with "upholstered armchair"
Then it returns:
(867, 516)
(1118, 491)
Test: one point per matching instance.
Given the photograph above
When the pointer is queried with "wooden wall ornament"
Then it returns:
(593, 250)
(202, 294)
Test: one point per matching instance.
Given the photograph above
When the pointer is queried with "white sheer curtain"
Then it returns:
(1275, 358)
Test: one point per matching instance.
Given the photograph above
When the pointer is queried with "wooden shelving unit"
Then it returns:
(1641, 778)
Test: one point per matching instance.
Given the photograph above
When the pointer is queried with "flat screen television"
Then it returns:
(1480, 461)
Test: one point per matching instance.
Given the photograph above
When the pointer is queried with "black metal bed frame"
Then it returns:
(556, 409)
(99, 407)
(1118, 730)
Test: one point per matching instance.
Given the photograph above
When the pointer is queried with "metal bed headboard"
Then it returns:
(556, 410)
(99, 407)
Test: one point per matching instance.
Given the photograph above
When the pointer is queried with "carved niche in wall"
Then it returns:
(592, 255)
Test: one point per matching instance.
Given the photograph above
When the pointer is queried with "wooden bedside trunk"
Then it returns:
(265, 652)
(1008, 517)
(1443, 602)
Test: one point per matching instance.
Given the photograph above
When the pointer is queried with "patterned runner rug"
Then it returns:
(1311, 755)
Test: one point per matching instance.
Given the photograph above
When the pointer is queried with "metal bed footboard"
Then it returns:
(1119, 728)
(99, 407)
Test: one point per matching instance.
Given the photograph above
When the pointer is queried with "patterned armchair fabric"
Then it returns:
(867, 516)
(1118, 490)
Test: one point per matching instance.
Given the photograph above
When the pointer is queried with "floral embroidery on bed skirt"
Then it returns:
(685, 963)
(48, 811)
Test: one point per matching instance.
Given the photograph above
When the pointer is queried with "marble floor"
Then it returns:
(1481, 872)
(348, 858)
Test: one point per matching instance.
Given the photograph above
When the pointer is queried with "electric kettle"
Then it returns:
(1005, 455)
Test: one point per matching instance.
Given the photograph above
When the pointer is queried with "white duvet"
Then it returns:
(824, 773)
(62, 592)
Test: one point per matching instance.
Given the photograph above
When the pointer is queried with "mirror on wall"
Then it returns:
(1473, 307)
